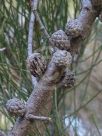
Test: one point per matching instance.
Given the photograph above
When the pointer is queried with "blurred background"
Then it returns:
(76, 111)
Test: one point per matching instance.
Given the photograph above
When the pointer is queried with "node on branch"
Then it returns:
(74, 28)
(36, 64)
(15, 107)
(68, 79)
(62, 58)
(60, 40)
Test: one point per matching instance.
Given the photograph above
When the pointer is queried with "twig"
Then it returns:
(30, 34)
(42, 27)
(40, 118)
(2, 49)
(34, 5)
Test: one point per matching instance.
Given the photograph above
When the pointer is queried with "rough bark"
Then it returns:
(39, 96)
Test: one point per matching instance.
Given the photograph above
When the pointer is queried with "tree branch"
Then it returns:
(77, 30)
(42, 91)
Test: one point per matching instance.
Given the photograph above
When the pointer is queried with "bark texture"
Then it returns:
(42, 91)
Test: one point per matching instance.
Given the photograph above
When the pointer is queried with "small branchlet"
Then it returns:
(60, 40)
(2, 49)
(42, 27)
(31, 117)
(15, 107)
(74, 28)
(36, 64)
